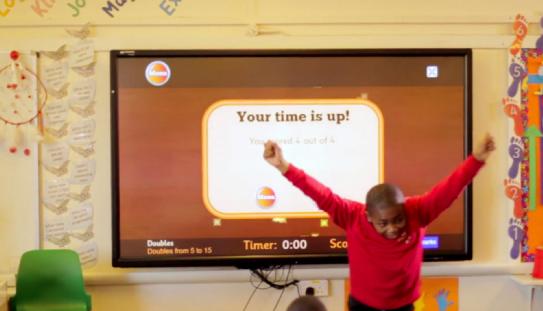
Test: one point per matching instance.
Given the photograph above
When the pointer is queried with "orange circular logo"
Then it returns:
(265, 197)
(157, 73)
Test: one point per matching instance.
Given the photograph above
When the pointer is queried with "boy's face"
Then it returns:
(389, 221)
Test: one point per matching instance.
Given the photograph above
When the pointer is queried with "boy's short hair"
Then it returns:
(306, 303)
(383, 195)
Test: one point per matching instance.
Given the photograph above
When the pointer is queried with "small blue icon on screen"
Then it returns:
(432, 71)
(430, 242)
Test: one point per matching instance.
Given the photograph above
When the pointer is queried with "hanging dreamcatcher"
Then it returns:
(22, 98)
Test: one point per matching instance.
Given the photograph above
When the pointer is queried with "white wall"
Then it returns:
(484, 284)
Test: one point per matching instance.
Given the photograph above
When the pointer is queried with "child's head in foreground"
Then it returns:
(385, 211)
(306, 303)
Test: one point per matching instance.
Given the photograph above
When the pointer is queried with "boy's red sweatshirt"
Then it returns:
(385, 274)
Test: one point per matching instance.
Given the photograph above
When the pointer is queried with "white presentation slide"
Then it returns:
(337, 141)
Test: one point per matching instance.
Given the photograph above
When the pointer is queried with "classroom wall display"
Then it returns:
(67, 161)
(516, 144)
(244, 12)
(531, 166)
(111, 11)
(523, 106)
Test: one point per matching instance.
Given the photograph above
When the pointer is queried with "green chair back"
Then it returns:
(50, 279)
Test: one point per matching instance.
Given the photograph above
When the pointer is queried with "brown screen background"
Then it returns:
(159, 134)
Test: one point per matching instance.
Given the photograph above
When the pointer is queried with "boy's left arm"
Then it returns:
(442, 195)
(432, 203)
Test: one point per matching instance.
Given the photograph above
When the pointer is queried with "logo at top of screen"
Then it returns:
(158, 73)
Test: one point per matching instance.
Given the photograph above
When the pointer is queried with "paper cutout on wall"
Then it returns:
(82, 132)
(8, 6)
(81, 33)
(59, 54)
(516, 233)
(56, 232)
(514, 193)
(85, 71)
(88, 254)
(54, 75)
(58, 133)
(84, 112)
(439, 294)
(60, 93)
(83, 92)
(55, 157)
(512, 109)
(83, 172)
(76, 7)
(83, 150)
(55, 195)
(521, 30)
(518, 73)
(58, 171)
(80, 219)
(55, 114)
(82, 195)
(57, 209)
(85, 235)
(82, 53)
(516, 153)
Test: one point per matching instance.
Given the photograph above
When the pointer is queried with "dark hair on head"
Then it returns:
(306, 303)
(383, 195)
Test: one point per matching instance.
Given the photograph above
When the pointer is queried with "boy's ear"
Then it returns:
(367, 216)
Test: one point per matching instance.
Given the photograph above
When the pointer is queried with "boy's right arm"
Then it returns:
(340, 210)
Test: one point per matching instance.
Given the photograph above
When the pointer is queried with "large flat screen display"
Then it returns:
(190, 185)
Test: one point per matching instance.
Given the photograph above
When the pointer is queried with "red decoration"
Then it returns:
(26, 74)
(14, 55)
(18, 110)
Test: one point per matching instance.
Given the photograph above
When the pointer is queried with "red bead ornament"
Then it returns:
(14, 55)
(26, 152)
(13, 149)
